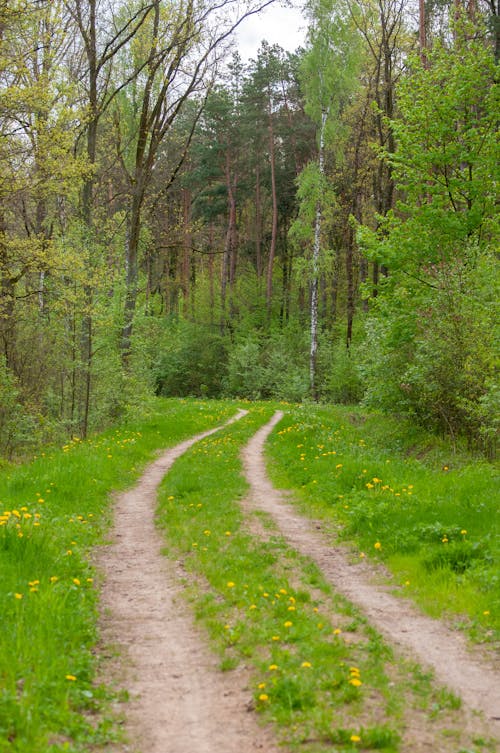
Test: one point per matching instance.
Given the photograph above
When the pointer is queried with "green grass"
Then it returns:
(404, 497)
(52, 511)
(319, 672)
(246, 589)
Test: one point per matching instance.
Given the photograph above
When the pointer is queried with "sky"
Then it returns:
(277, 25)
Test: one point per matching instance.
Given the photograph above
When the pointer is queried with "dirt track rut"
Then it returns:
(179, 700)
(429, 641)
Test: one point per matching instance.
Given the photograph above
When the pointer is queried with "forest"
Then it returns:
(316, 226)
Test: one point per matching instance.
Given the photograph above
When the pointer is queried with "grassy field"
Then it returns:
(430, 513)
(320, 673)
(53, 511)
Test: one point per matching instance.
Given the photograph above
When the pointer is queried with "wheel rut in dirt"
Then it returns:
(180, 702)
(426, 640)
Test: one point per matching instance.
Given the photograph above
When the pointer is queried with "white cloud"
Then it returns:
(276, 24)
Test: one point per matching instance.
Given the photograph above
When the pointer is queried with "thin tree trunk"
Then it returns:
(274, 225)
(132, 249)
(258, 224)
(186, 249)
(315, 267)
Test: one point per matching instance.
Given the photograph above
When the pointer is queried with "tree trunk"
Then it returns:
(274, 225)
(131, 256)
(315, 266)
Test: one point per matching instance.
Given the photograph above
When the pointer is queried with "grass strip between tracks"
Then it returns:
(319, 672)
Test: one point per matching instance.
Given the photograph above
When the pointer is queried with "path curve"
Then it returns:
(180, 702)
(427, 640)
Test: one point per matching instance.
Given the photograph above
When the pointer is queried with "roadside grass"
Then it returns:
(52, 512)
(404, 497)
(319, 672)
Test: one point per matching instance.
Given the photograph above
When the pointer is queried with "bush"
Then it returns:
(269, 366)
(192, 362)
(341, 375)
(435, 358)
(18, 429)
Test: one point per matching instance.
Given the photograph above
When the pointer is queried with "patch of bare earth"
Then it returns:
(414, 636)
(180, 702)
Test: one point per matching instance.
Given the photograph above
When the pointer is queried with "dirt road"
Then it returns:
(179, 700)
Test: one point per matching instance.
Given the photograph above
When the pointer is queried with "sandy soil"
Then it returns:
(180, 702)
(456, 665)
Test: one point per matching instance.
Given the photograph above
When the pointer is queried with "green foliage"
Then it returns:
(341, 381)
(429, 350)
(433, 333)
(15, 426)
(272, 366)
(269, 367)
(192, 361)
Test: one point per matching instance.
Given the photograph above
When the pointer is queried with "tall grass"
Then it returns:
(402, 496)
(52, 511)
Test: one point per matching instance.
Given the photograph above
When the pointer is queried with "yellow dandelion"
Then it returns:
(337, 631)
(377, 545)
(355, 739)
(18, 596)
(230, 584)
(76, 581)
(273, 667)
(355, 681)
(275, 638)
(306, 664)
(288, 624)
(261, 685)
(71, 678)
(263, 697)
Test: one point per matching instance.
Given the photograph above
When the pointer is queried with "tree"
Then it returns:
(328, 78)
(179, 53)
(434, 323)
